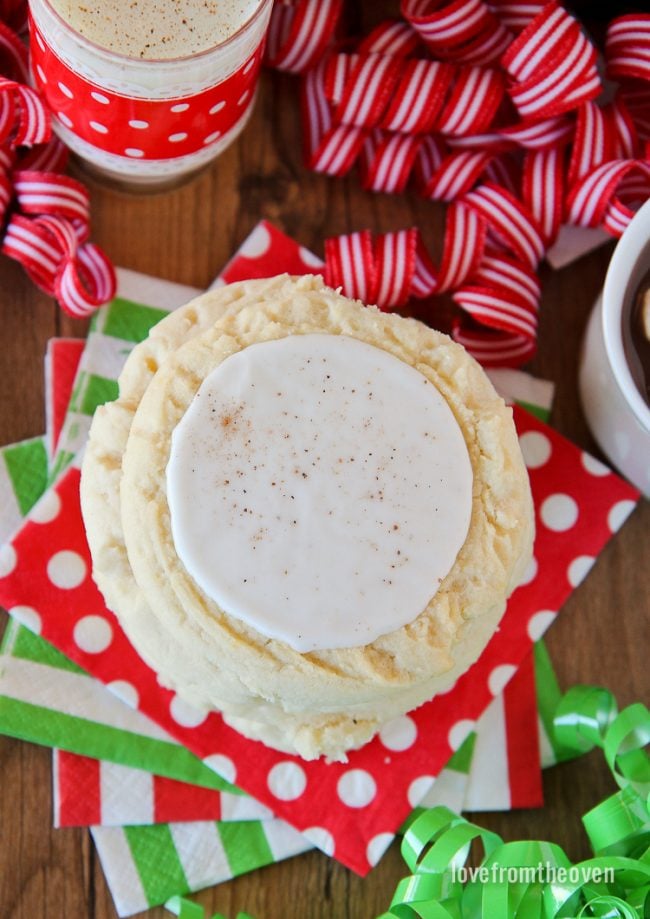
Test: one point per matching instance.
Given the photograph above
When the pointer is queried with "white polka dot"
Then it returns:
(539, 622)
(217, 107)
(377, 846)
(66, 90)
(594, 466)
(399, 734)
(619, 513)
(212, 137)
(309, 258)
(124, 691)
(8, 560)
(39, 41)
(99, 97)
(559, 512)
(97, 126)
(499, 677)
(133, 151)
(257, 243)
(531, 571)
(419, 788)
(250, 65)
(66, 570)
(93, 634)
(177, 138)
(321, 838)
(356, 788)
(459, 732)
(28, 617)
(138, 124)
(63, 118)
(222, 765)
(47, 509)
(188, 716)
(287, 781)
(446, 689)
(180, 107)
(41, 74)
(536, 448)
(244, 97)
(579, 568)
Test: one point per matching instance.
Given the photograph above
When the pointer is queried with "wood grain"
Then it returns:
(186, 235)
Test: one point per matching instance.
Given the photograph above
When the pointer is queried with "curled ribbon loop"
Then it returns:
(46, 215)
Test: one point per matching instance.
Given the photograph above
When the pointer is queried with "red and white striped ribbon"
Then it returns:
(510, 220)
(13, 52)
(387, 160)
(465, 31)
(25, 121)
(51, 243)
(418, 97)
(299, 33)
(627, 47)
(375, 270)
(491, 109)
(393, 36)
(48, 214)
(552, 65)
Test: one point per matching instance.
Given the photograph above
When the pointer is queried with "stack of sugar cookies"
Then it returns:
(305, 512)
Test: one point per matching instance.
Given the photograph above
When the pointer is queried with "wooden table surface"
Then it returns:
(186, 235)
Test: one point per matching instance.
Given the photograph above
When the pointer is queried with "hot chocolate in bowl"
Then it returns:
(613, 371)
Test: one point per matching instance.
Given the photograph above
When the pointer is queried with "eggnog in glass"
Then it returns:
(146, 92)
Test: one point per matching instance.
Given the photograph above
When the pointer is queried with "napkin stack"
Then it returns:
(164, 821)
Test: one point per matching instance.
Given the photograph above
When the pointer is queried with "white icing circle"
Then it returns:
(320, 490)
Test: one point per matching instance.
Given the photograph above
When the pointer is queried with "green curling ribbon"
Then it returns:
(185, 909)
(536, 879)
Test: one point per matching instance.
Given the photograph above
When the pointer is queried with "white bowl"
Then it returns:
(617, 413)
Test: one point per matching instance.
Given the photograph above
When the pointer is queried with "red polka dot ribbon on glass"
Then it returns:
(135, 127)
(489, 108)
(45, 214)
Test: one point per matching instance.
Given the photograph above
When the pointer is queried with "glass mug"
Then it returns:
(145, 123)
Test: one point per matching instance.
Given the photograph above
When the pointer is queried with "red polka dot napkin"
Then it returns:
(349, 809)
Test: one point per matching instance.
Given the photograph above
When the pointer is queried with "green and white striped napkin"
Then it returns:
(145, 866)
